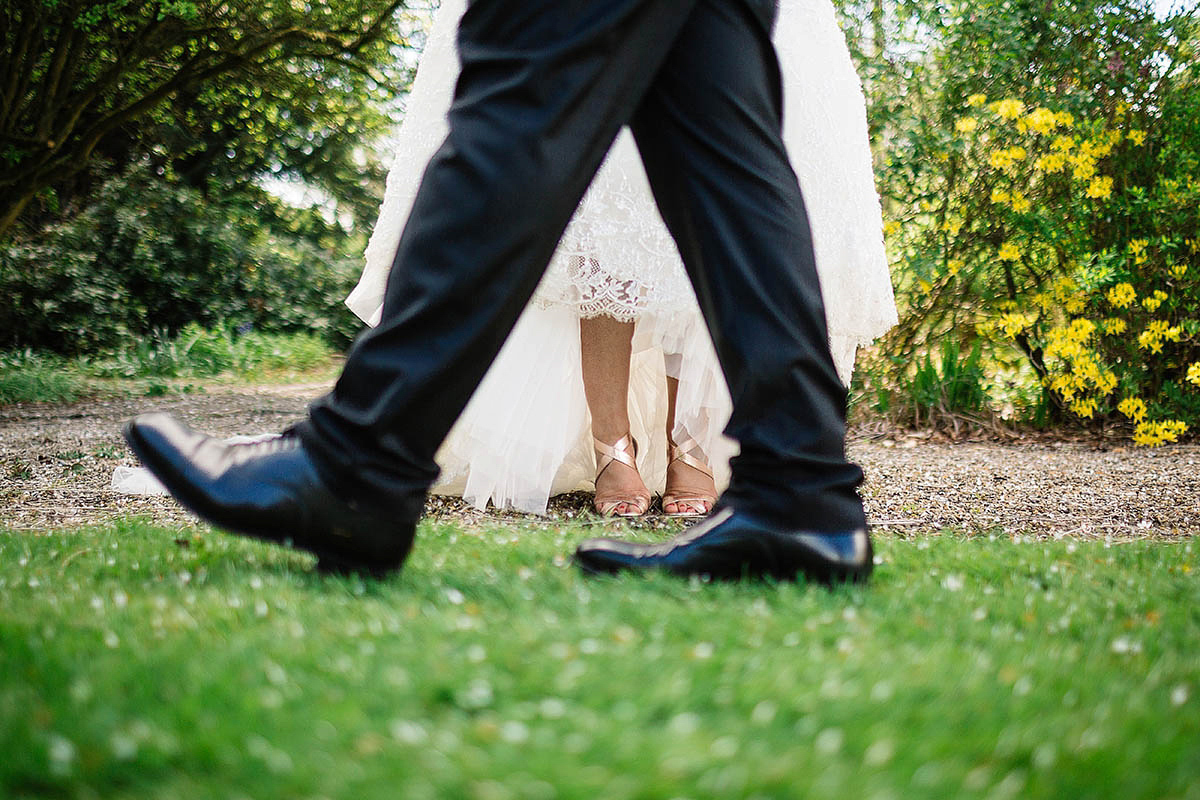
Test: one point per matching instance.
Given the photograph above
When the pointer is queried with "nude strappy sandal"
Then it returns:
(623, 450)
(683, 453)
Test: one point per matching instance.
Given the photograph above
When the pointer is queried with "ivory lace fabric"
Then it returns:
(525, 434)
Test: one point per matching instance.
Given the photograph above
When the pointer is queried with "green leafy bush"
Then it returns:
(148, 255)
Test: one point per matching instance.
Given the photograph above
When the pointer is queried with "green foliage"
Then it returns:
(197, 352)
(1039, 180)
(149, 256)
(136, 138)
(951, 386)
(28, 377)
(219, 91)
(155, 363)
(150, 662)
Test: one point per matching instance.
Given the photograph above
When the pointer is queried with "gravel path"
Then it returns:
(56, 464)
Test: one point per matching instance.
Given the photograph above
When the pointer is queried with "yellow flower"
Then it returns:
(1122, 295)
(1153, 434)
(1068, 349)
(1051, 162)
(1174, 428)
(1114, 326)
(1081, 329)
(1193, 245)
(1017, 153)
(1178, 270)
(891, 227)
(1064, 144)
(1065, 387)
(1009, 252)
(1101, 147)
(1020, 203)
(1042, 120)
(1137, 249)
(1074, 305)
(1084, 167)
(1065, 119)
(954, 266)
(1012, 324)
(1155, 300)
(1000, 159)
(1137, 137)
(925, 285)
(1193, 373)
(1152, 337)
(1009, 108)
(966, 124)
(1144, 436)
(1133, 407)
(1100, 188)
(976, 100)
(1000, 196)
(1084, 408)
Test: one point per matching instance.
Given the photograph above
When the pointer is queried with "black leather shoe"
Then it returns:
(732, 545)
(271, 491)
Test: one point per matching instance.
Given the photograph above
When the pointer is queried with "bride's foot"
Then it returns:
(619, 488)
(690, 491)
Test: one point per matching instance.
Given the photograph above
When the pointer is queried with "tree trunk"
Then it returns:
(10, 212)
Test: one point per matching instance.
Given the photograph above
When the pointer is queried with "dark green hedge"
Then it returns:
(148, 255)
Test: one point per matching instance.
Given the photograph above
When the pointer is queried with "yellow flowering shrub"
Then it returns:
(1111, 323)
(1047, 188)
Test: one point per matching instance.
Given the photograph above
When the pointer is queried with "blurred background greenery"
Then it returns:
(178, 167)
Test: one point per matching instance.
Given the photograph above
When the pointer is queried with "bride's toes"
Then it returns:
(691, 507)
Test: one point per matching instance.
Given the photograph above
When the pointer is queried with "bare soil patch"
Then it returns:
(57, 461)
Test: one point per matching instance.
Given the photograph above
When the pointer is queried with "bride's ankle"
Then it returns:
(610, 435)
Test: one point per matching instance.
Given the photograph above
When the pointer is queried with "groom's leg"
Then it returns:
(545, 87)
(709, 131)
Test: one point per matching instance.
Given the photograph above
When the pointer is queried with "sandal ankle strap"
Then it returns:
(683, 452)
(623, 450)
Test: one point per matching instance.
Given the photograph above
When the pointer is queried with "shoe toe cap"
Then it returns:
(603, 556)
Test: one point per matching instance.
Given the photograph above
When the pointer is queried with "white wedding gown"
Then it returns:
(525, 434)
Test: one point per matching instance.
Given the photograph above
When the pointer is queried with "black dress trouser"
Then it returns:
(544, 89)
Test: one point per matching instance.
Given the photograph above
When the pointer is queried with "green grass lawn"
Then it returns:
(142, 662)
